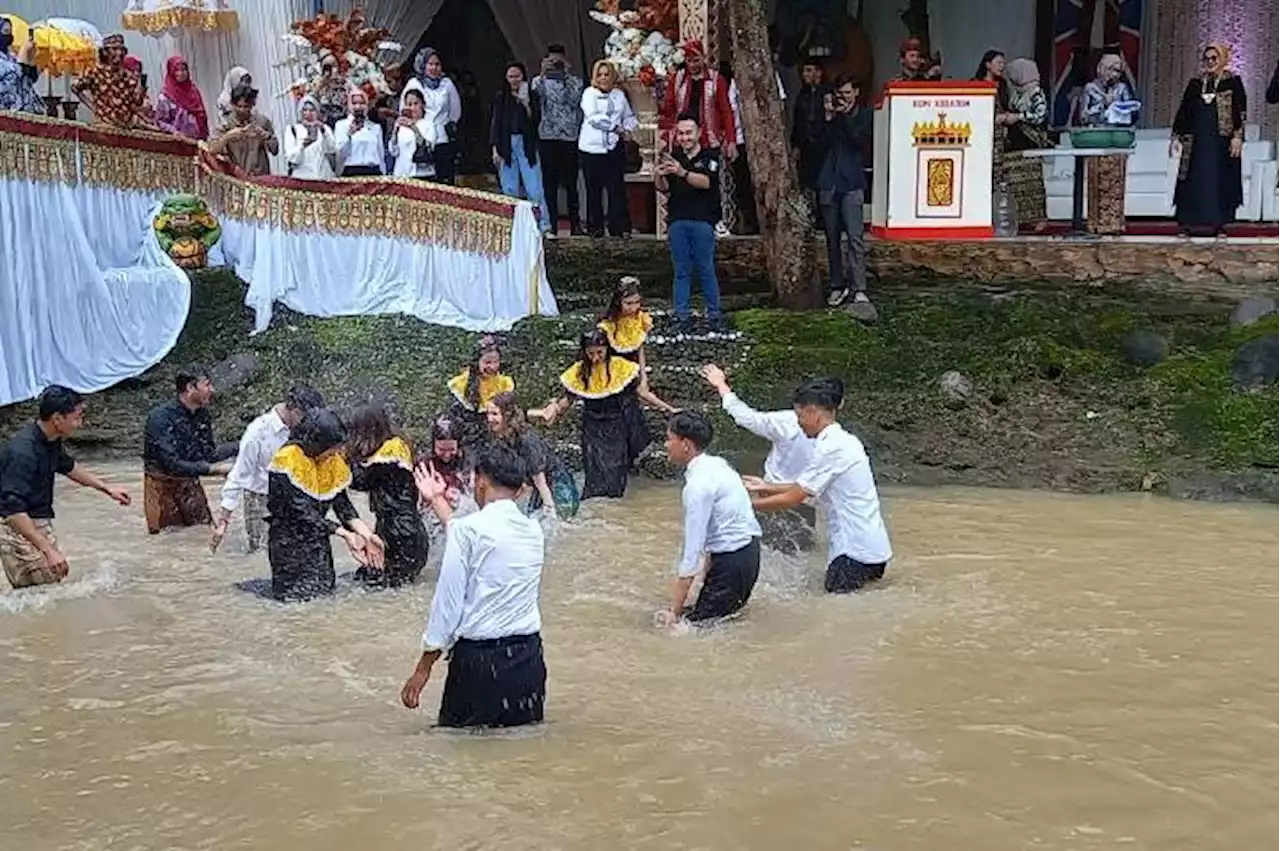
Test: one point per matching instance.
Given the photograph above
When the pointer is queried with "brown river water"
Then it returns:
(1037, 671)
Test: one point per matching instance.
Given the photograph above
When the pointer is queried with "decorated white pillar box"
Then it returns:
(932, 166)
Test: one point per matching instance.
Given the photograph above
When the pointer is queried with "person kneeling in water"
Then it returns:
(484, 613)
(307, 478)
(840, 478)
(718, 521)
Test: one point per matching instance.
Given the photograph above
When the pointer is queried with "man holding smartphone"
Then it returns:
(841, 187)
(691, 178)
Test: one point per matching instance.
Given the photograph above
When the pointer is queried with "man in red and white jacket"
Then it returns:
(702, 92)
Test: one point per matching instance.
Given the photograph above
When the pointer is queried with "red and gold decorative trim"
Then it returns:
(49, 149)
(461, 219)
(180, 18)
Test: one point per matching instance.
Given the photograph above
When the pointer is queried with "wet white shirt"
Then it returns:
(840, 478)
(790, 450)
(718, 517)
(259, 444)
(362, 148)
(489, 578)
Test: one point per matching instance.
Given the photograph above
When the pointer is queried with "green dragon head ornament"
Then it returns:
(186, 231)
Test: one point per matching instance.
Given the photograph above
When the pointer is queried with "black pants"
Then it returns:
(446, 162)
(727, 587)
(559, 169)
(603, 174)
(499, 682)
(845, 575)
(361, 171)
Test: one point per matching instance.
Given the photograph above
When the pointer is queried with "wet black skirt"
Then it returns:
(500, 682)
(728, 584)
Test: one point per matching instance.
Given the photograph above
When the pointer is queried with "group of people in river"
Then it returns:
(482, 485)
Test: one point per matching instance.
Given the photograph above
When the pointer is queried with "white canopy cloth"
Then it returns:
(82, 305)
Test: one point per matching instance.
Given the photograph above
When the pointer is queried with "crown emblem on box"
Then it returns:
(940, 134)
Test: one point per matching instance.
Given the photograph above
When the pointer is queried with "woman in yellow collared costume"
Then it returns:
(613, 430)
(382, 462)
(307, 478)
(474, 388)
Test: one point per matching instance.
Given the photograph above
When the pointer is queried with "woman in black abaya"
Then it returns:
(1209, 132)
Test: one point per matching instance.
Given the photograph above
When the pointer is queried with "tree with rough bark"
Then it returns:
(786, 220)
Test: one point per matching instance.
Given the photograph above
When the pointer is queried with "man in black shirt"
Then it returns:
(691, 178)
(178, 448)
(841, 188)
(809, 128)
(28, 462)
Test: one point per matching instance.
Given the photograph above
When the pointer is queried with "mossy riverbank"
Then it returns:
(1050, 399)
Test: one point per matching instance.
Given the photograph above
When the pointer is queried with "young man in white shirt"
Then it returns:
(248, 477)
(719, 523)
(840, 478)
(485, 610)
(790, 450)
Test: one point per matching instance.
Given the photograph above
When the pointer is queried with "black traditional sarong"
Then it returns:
(727, 587)
(388, 477)
(845, 575)
(499, 682)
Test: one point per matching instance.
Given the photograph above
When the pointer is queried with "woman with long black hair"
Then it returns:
(307, 479)
(382, 460)
(613, 431)
(473, 388)
(627, 325)
(553, 484)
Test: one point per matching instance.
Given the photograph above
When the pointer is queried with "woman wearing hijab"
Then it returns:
(180, 106)
(237, 76)
(309, 148)
(1108, 100)
(1208, 138)
(362, 150)
(1026, 129)
(18, 75)
(441, 107)
(414, 142)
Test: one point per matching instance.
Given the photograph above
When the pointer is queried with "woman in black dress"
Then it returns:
(552, 483)
(613, 431)
(480, 380)
(1209, 133)
(306, 479)
(383, 466)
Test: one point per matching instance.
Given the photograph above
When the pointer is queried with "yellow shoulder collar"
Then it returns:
(394, 451)
(324, 480)
(490, 386)
(603, 383)
(627, 333)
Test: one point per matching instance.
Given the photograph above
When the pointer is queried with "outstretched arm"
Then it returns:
(89, 479)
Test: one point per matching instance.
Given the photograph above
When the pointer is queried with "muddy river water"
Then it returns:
(1037, 671)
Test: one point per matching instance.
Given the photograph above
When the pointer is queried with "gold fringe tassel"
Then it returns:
(185, 18)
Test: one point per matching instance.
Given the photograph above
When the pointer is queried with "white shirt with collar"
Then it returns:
(361, 148)
(489, 578)
(790, 450)
(840, 478)
(259, 444)
(718, 517)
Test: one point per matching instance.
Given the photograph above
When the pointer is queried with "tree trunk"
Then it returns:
(786, 222)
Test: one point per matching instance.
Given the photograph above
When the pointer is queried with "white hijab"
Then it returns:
(233, 78)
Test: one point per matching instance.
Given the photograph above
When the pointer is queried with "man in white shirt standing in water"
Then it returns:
(790, 450)
(248, 477)
(840, 478)
(719, 524)
(485, 610)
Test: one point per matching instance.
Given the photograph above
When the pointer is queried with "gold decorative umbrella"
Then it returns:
(65, 46)
(158, 17)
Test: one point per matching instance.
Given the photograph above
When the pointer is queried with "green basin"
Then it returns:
(1102, 137)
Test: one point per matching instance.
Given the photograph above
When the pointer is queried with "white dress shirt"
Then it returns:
(404, 143)
(735, 103)
(442, 106)
(489, 578)
(259, 444)
(790, 450)
(840, 478)
(309, 162)
(718, 517)
(604, 118)
(361, 148)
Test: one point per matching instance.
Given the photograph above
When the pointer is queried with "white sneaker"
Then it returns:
(837, 297)
(860, 297)
(722, 230)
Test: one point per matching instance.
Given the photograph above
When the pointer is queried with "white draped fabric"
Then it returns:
(82, 304)
(339, 275)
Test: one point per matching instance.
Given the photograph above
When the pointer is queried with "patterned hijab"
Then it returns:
(420, 67)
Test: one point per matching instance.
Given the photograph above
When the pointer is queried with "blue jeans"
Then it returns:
(693, 251)
(520, 170)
